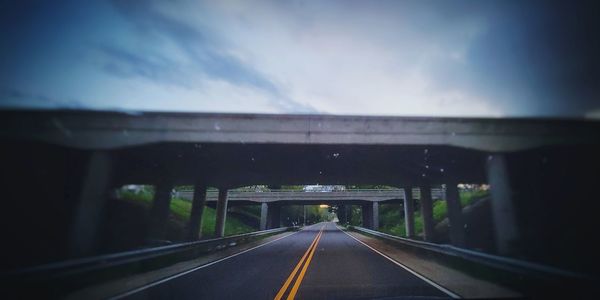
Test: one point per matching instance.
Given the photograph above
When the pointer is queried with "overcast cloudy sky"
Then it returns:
(425, 58)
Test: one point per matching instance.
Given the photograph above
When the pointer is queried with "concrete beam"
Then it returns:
(198, 204)
(89, 211)
(427, 213)
(159, 213)
(221, 213)
(88, 129)
(409, 212)
(264, 212)
(455, 216)
(503, 210)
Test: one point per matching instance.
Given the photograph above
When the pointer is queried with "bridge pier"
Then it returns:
(503, 210)
(264, 209)
(159, 213)
(221, 212)
(274, 215)
(342, 214)
(375, 217)
(198, 204)
(409, 212)
(367, 215)
(455, 217)
(92, 199)
(427, 213)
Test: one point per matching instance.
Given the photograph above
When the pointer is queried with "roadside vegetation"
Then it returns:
(180, 212)
(392, 219)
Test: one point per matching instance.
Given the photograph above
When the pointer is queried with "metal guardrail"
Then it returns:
(130, 261)
(290, 195)
(494, 261)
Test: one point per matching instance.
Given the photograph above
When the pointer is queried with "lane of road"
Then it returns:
(318, 262)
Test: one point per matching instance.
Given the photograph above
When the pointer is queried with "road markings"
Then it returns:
(301, 276)
(439, 287)
(306, 257)
(155, 283)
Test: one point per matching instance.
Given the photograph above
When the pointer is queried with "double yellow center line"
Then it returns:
(307, 257)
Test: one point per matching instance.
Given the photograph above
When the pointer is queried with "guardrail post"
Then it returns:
(92, 198)
(264, 211)
(159, 213)
(221, 212)
(427, 212)
(503, 211)
(457, 224)
(409, 212)
(198, 203)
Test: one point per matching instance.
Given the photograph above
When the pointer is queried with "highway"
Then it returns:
(318, 262)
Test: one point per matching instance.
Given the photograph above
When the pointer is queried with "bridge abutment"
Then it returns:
(375, 216)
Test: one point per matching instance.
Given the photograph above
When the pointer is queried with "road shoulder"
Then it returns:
(454, 280)
(123, 285)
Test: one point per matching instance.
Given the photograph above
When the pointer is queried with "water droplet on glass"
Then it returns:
(252, 158)
(489, 157)
(423, 175)
(425, 151)
(453, 133)
(426, 166)
(321, 172)
(335, 155)
(217, 127)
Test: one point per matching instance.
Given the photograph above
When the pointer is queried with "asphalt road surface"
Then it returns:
(318, 262)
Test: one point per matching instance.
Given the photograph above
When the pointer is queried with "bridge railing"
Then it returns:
(282, 195)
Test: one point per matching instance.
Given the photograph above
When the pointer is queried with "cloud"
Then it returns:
(204, 54)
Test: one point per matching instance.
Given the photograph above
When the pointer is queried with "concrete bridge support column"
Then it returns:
(427, 213)
(159, 213)
(503, 210)
(367, 216)
(457, 223)
(409, 212)
(274, 216)
(264, 210)
(198, 203)
(342, 214)
(221, 213)
(375, 217)
(92, 199)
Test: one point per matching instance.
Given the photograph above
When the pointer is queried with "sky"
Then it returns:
(392, 58)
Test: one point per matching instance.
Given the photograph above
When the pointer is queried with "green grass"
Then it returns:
(440, 211)
(180, 211)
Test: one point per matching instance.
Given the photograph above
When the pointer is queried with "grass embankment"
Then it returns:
(392, 221)
(180, 212)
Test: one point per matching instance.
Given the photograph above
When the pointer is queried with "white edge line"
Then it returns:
(439, 287)
(155, 283)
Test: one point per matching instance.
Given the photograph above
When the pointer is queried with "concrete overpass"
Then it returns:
(74, 157)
